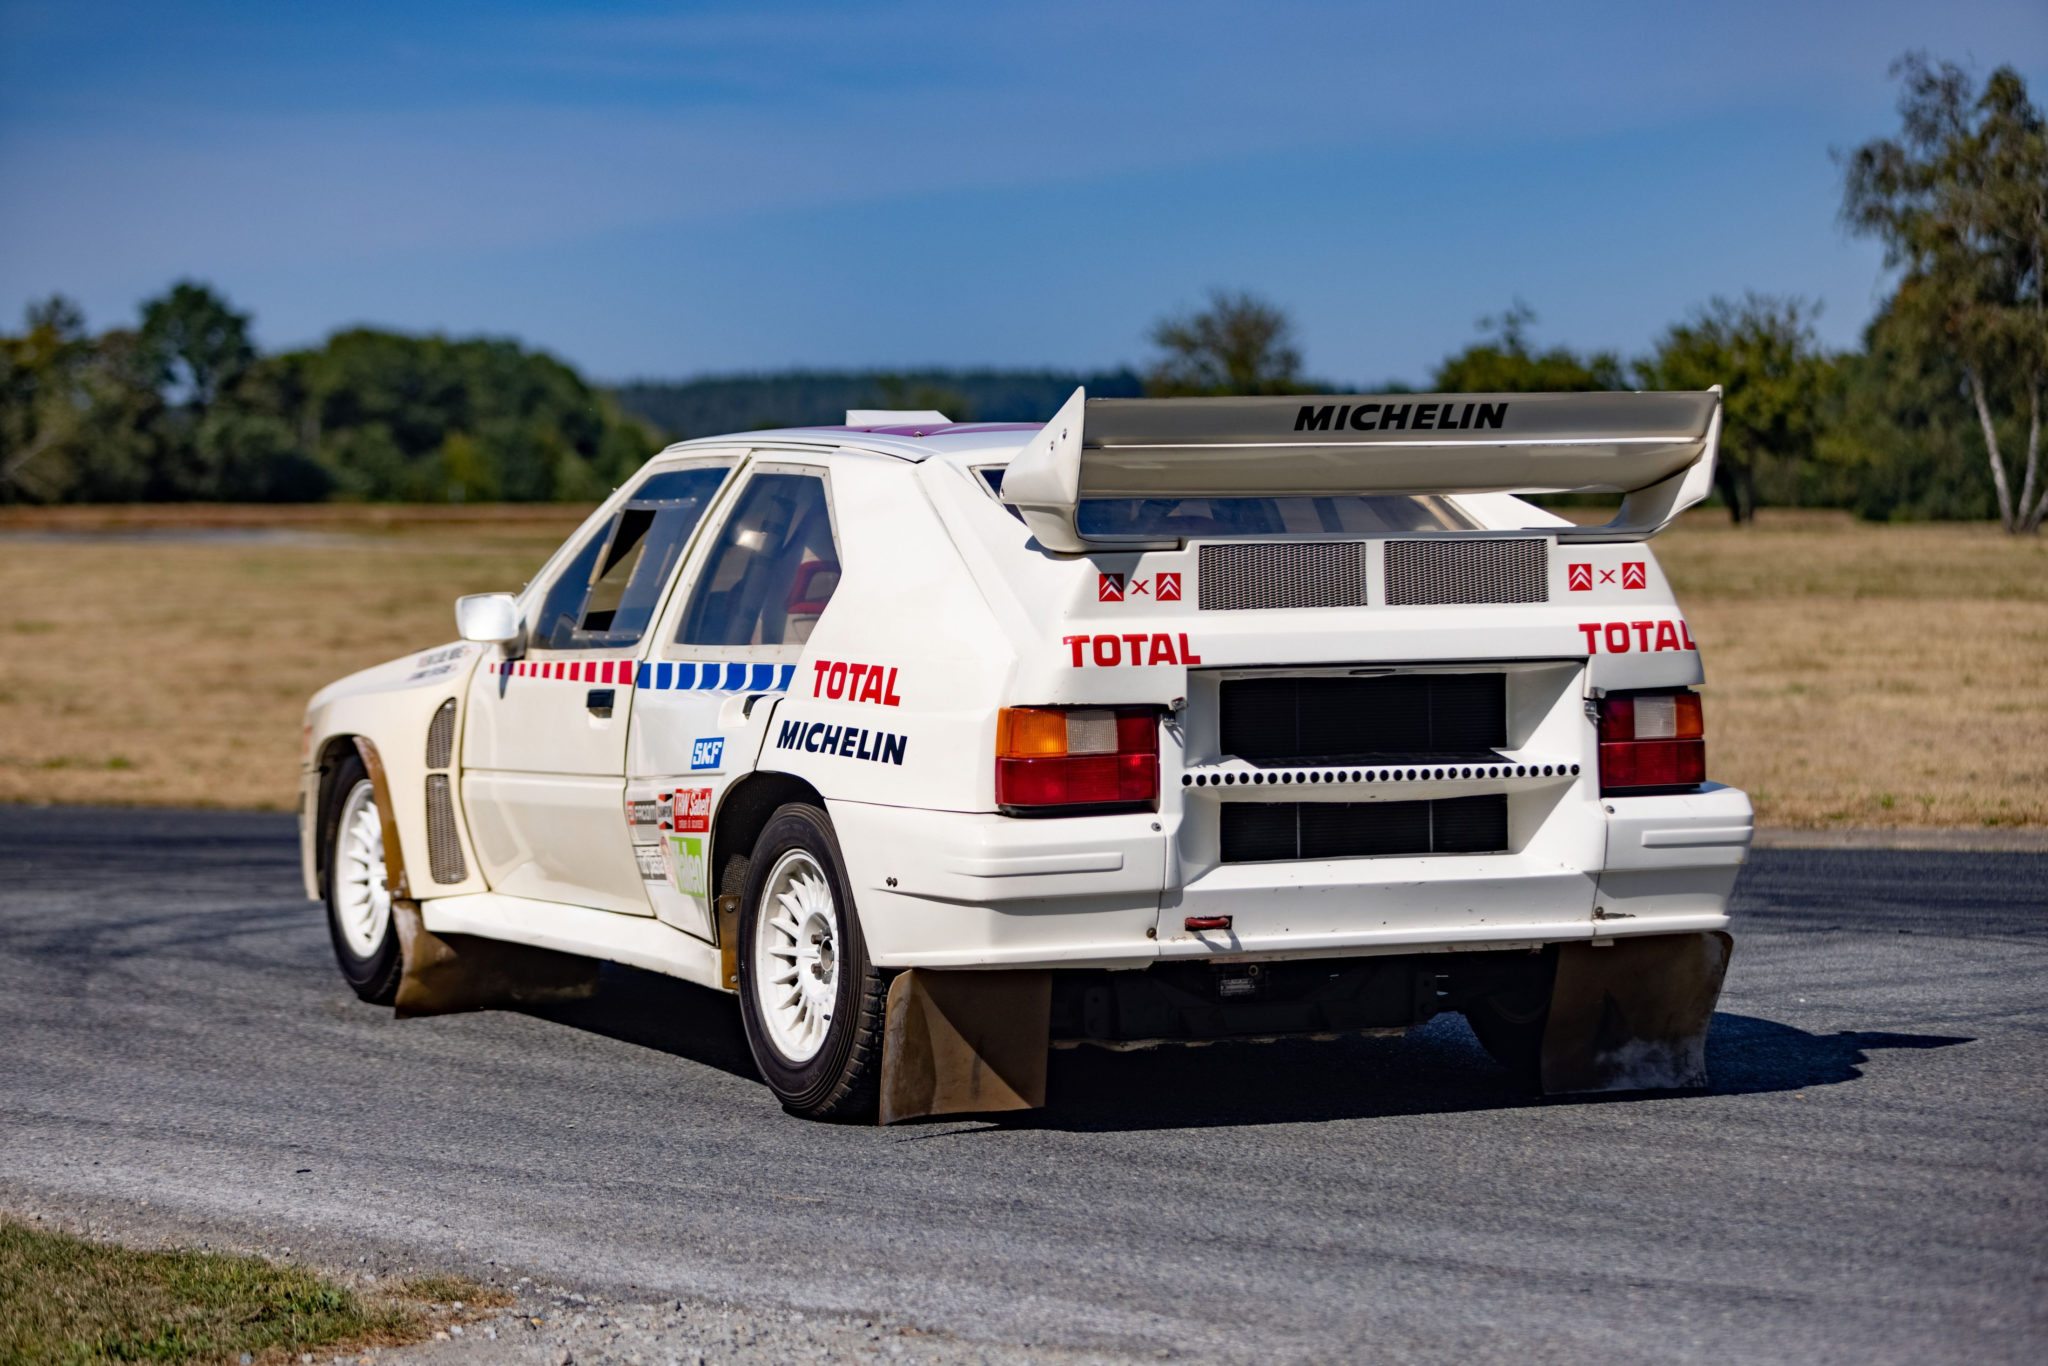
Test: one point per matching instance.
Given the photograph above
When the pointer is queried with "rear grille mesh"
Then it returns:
(441, 736)
(444, 846)
(1265, 574)
(1450, 573)
(1270, 832)
(1387, 719)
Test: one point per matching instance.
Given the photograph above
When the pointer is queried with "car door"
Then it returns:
(545, 740)
(735, 631)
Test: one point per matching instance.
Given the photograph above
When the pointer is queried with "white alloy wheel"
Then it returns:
(796, 956)
(362, 903)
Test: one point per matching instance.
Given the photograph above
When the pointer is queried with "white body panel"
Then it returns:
(947, 610)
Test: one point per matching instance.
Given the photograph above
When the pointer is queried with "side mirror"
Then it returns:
(492, 618)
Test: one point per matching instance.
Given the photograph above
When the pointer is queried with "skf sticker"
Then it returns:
(837, 679)
(693, 810)
(1643, 637)
(1580, 577)
(686, 852)
(708, 753)
(848, 742)
(1109, 651)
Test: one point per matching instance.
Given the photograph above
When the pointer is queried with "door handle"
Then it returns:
(599, 700)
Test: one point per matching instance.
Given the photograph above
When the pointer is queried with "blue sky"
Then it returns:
(664, 190)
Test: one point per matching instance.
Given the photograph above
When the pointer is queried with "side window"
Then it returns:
(773, 570)
(606, 595)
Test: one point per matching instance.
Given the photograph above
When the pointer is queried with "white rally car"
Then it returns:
(1172, 720)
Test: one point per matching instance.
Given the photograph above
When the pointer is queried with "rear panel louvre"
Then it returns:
(444, 847)
(1260, 575)
(1463, 573)
(1388, 719)
(1271, 832)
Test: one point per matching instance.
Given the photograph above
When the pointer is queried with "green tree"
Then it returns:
(1774, 376)
(1504, 363)
(1239, 344)
(1960, 200)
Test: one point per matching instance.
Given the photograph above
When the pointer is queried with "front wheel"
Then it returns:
(358, 901)
(811, 1001)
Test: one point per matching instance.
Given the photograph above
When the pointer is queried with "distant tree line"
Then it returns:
(182, 406)
(1936, 415)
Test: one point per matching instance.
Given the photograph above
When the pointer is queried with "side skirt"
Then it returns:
(637, 941)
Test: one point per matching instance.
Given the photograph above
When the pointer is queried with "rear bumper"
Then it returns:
(964, 889)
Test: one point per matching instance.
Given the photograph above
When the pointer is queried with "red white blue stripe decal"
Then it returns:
(707, 677)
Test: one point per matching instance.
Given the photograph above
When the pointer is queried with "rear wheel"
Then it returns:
(1510, 1019)
(358, 901)
(811, 1000)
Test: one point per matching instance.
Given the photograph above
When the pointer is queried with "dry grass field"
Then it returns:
(1856, 675)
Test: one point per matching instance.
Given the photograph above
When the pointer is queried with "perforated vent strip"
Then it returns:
(1450, 573)
(444, 846)
(1267, 574)
(441, 736)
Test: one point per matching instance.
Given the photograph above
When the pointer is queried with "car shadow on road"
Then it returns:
(1438, 1069)
(649, 1010)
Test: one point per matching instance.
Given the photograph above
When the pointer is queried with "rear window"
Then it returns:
(1345, 515)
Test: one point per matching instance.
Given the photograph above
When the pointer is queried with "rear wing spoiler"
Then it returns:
(1656, 449)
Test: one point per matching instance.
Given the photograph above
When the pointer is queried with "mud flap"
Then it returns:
(965, 1042)
(1632, 1016)
(466, 972)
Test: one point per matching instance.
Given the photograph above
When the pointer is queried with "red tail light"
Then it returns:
(1053, 757)
(1651, 740)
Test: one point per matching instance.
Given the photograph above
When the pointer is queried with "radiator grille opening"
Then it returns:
(1461, 573)
(1271, 832)
(1391, 719)
(441, 736)
(444, 847)
(1268, 574)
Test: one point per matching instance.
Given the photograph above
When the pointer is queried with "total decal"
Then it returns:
(1140, 648)
(1579, 578)
(847, 742)
(1640, 637)
(837, 679)
(1131, 587)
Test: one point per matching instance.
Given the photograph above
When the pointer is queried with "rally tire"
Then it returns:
(359, 919)
(811, 1000)
(1509, 1023)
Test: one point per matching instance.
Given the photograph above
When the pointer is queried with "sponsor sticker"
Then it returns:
(1632, 575)
(693, 810)
(689, 865)
(644, 821)
(1109, 588)
(1134, 647)
(1168, 587)
(848, 742)
(1395, 417)
(1580, 578)
(707, 753)
(839, 680)
(652, 869)
(1131, 587)
(1642, 637)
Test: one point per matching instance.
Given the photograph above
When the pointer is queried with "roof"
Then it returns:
(914, 443)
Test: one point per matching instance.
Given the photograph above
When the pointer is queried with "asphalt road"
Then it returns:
(1864, 1182)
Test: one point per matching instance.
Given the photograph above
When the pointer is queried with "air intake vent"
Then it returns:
(1270, 832)
(441, 736)
(1399, 719)
(1453, 573)
(1265, 574)
(444, 846)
